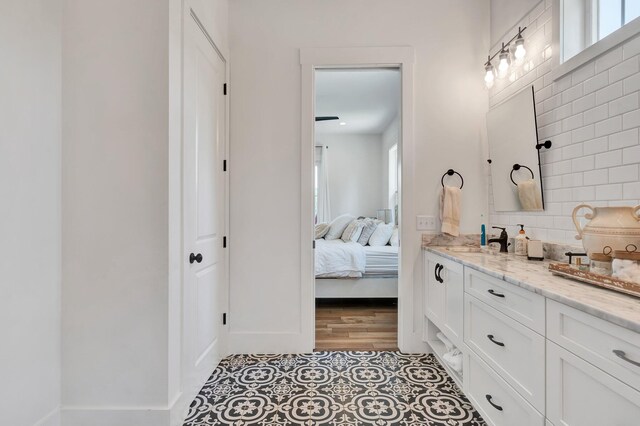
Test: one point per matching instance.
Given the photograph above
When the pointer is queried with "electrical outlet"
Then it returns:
(426, 223)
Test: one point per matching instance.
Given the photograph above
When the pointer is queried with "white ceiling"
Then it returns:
(367, 100)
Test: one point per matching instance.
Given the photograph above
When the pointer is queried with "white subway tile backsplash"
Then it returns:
(592, 115)
(609, 159)
(624, 104)
(583, 163)
(598, 113)
(596, 177)
(596, 82)
(609, 59)
(631, 119)
(609, 192)
(624, 69)
(623, 174)
(631, 190)
(594, 146)
(606, 127)
(609, 93)
(623, 139)
(631, 155)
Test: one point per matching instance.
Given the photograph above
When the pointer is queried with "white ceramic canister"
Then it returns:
(616, 227)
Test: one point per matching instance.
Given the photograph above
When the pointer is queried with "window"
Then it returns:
(584, 23)
(393, 177)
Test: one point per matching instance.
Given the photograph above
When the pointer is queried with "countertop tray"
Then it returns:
(605, 281)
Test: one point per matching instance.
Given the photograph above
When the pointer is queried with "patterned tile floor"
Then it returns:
(333, 389)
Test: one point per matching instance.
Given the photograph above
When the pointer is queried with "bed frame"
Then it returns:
(366, 287)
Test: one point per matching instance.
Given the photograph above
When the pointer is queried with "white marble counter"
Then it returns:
(617, 308)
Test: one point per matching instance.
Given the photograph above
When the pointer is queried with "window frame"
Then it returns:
(619, 36)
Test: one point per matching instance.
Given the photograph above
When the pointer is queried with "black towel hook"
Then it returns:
(450, 172)
(518, 167)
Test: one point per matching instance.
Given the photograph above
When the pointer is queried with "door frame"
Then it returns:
(403, 58)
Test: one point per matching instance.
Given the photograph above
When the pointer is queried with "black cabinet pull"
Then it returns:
(493, 293)
(493, 404)
(195, 258)
(435, 272)
(620, 354)
(490, 337)
(440, 276)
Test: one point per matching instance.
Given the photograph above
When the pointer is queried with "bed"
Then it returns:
(350, 270)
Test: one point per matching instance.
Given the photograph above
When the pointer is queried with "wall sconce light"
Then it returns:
(504, 58)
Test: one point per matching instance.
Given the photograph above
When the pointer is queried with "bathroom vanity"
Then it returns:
(538, 349)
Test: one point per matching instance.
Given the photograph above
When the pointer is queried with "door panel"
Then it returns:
(204, 206)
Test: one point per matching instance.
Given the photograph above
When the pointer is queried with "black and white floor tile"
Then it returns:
(332, 389)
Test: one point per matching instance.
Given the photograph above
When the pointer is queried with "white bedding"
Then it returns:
(337, 259)
(381, 260)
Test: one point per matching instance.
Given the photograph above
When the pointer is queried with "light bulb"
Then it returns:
(520, 50)
(503, 65)
(489, 77)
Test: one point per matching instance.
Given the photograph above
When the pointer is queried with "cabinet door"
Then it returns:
(435, 292)
(453, 278)
(579, 394)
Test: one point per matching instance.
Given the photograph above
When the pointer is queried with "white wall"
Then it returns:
(390, 137)
(355, 173)
(592, 116)
(450, 103)
(504, 13)
(30, 210)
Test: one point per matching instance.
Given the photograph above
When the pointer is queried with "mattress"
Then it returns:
(381, 261)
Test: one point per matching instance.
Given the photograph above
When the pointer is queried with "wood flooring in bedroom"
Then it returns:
(356, 324)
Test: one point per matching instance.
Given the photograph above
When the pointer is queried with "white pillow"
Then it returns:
(321, 230)
(381, 235)
(337, 226)
(370, 225)
(352, 231)
(395, 238)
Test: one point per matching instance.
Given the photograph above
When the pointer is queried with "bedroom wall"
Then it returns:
(450, 40)
(355, 173)
(30, 42)
(592, 115)
(390, 137)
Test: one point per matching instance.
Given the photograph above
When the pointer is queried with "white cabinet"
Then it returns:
(443, 302)
(579, 394)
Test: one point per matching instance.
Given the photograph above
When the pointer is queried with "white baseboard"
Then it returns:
(51, 419)
(269, 343)
(104, 416)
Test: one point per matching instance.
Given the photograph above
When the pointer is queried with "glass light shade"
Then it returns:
(489, 77)
(520, 50)
(503, 65)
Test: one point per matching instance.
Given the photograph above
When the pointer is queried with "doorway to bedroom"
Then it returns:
(356, 193)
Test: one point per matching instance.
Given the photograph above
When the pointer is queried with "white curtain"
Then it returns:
(324, 205)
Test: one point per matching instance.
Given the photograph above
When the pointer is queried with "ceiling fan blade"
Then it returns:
(327, 118)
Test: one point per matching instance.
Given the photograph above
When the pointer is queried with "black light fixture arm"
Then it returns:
(545, 144)
(505, 45)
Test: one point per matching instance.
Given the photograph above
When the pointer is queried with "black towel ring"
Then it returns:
(517, 167)
(450, 172)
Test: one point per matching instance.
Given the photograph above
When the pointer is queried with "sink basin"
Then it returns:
(465, 249)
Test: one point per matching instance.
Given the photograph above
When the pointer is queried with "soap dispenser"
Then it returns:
(521, 242)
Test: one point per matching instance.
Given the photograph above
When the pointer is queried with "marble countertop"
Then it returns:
(609, 305)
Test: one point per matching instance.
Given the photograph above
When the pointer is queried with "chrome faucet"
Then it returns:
(503, 240)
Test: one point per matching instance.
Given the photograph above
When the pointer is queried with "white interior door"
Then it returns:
(204, 206)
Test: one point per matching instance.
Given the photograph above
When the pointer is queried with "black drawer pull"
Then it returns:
(435, 272)
(195, 258)
(493, 293)
(620, 354)
(440, 276)
(494, 405)
(490, 337)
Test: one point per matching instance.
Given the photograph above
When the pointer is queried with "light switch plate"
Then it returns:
(426, 223)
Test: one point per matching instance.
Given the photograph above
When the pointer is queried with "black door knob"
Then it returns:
(195, 258)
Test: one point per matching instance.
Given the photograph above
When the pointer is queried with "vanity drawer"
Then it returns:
(522, 305)
(579, 394)
(497, 402)
(514, 351)
(614, 349)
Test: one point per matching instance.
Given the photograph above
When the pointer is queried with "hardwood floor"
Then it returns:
(356, 324)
